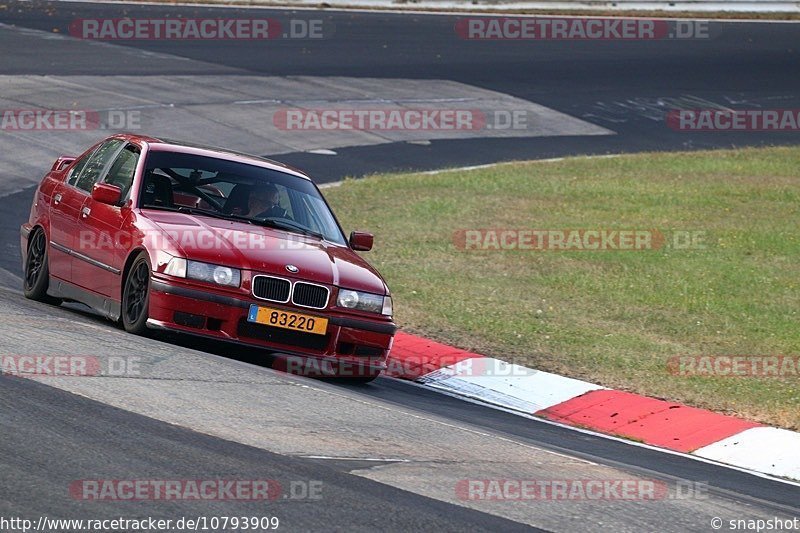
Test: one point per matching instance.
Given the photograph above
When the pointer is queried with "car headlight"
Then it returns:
(364, 301)
(219, 275)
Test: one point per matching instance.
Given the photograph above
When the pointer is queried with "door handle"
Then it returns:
(57, 199)
(85, 212)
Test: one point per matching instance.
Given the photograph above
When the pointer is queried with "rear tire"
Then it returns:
(362, 380)
(364, 374)
(37, 270)
(136, 297)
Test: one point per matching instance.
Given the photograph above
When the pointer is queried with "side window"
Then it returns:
(78, 168)
(93, 170)
(123, 168)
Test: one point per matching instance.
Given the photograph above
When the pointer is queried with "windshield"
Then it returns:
(227, 189)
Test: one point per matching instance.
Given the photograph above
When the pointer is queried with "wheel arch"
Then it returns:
(36, 227)
(132, 256)
(24, 253)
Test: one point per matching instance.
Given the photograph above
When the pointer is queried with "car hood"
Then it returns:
(267, 250)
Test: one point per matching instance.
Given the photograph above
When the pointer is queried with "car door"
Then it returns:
(65, 204)
(101, 229)
(77, 191)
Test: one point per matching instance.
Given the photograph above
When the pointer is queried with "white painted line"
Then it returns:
(466, 169)
(371, 459)
(766, 449)
(10, 278)
(602, 435)
(508, 385)
(262, 101)
(47, 35)
(488, 165)
(15, 190)
(412, 412)
(521, 161)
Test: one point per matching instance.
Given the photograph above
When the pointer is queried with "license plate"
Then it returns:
(287, 320)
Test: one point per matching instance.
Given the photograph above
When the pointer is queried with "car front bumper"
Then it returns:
(349, 346)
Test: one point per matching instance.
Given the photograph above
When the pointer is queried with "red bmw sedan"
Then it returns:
(166, 235)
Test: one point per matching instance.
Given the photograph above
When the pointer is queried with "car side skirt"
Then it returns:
(104, 305)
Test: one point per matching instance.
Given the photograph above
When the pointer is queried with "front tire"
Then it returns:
(136, 297)
(37, 270)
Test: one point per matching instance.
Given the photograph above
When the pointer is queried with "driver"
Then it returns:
(264, 202)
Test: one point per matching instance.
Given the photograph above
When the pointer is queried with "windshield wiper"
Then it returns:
(282, 223)
(198, 211)
(243, 218)
(161, 208)
(279, 223)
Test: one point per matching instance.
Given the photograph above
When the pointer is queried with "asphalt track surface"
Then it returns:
(52, 437)
(72, 436)
(623, 85)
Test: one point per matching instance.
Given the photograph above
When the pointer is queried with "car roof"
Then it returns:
(170, 145)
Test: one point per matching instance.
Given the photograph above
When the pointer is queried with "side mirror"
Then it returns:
(361, 241)
(105, 193)
(61, 163)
